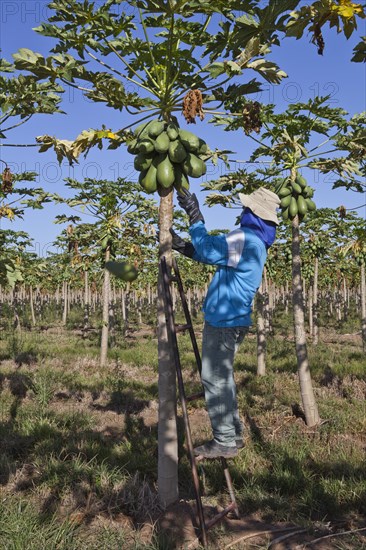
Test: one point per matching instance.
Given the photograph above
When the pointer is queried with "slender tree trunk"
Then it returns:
(127, 295)
(65, 292)
(261, 334)
(16, 321)
(363, 306)
(306, 386)
(167, 427)
(189, 300)
(310, 308)
(123, 304)
(286, 298)
(86, 301)
(33, 317)
(345, 301)
(105, 312)
(265, 305)
(315, 303)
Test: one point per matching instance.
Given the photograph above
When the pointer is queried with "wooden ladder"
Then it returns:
(173, 329)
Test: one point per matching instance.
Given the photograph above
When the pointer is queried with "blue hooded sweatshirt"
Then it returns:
(239, 257)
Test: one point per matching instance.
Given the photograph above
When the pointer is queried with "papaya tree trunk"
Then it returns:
(261, 334)
(167, 423)
(315, 303)
(286, 298)
(86, 301)
(306, 386)
(345, 300)
(31, 303)
(65, 293)
(16, 322)
(363, 306)
(105, 312)
(310, 308)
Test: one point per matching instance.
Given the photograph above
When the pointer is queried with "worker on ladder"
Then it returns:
(239, 257)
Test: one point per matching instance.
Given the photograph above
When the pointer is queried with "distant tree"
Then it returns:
(285, 145)
(120, 213)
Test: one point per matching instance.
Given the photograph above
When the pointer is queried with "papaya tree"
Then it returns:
(114, 205)
(285, 143)
(13, 261)
(356, 248)
(21, 98)
(154, 59)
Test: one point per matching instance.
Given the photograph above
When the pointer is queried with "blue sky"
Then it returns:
(308, 75)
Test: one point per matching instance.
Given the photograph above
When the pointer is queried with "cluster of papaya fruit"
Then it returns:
(166, 155)
(315, 246)
(296, 198)
(360, 257)
(288, 253)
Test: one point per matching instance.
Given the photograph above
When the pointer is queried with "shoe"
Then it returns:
(212, 449)
(239, 443)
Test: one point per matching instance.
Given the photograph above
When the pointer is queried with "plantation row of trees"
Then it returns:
(332, 266)
(195, 54)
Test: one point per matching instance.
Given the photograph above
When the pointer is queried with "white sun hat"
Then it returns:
(263, 203)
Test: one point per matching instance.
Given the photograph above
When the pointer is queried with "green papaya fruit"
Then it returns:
(145, 146)
(300, 180)
(285, 214)
(122, 270)
(172, 131)
(104, 242)
(180, 179)
(308, 192)
(193, 166)
(143, 129)
(285, 201)
(162, 143)
(132, 146)
(284, 192)
(302, 207)
(177, 153)
(292, 209)
(311, 205)
(156, 128)
(165, 171)
(142, 162)
(148, 180)
(190, 141)
(296, 187)
(202, 149)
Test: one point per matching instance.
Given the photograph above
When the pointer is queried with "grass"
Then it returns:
(78, 460)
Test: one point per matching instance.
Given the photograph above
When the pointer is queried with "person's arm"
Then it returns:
(220, 250)
(180, 245)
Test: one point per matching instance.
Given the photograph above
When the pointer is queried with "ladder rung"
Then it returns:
(181, 328)
(230, 508)
(195, 396)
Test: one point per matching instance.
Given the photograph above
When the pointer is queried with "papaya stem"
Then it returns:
(148, 44)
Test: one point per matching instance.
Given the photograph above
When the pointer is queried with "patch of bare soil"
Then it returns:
(181, 525)
(354, 338)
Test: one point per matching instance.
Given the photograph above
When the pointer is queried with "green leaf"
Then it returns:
(269, 70)
(359, 50)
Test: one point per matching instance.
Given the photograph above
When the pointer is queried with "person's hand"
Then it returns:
(189, 203)
(180, 245)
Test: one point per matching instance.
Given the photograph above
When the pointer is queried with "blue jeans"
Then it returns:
(219, 345)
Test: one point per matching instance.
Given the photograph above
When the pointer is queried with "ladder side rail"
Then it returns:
(187, 316)
(174, 344)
